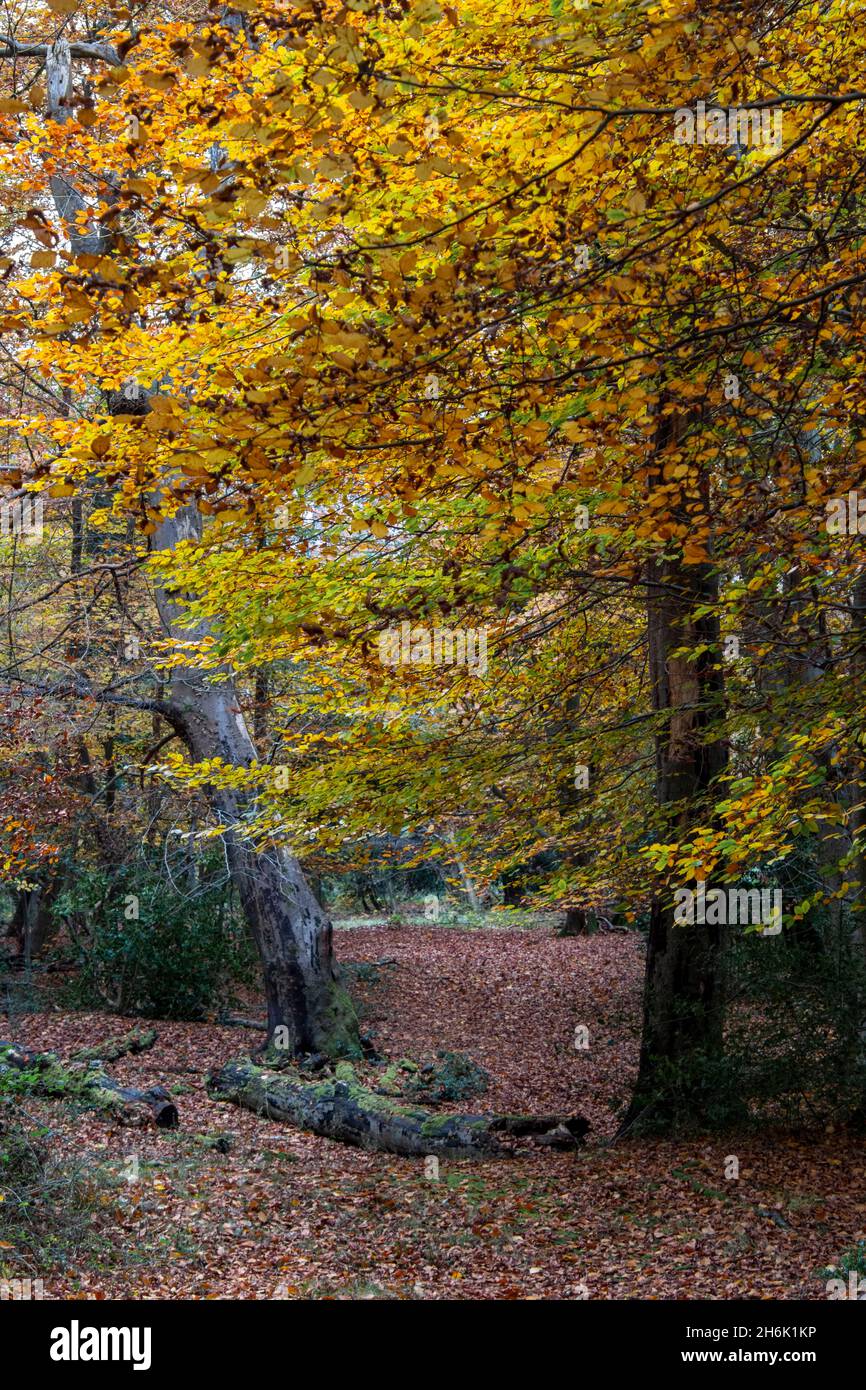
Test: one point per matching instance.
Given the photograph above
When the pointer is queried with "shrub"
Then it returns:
(852, 1262)
(796, 1021)
(146, 948)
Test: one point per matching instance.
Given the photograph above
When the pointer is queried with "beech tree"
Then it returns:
(452, 321)
(308, 1012)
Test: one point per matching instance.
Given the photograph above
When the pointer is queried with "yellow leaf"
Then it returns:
(160, 80)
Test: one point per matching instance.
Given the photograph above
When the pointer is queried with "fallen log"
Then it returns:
(242, 1023)
(136, 1041)
(339, 1107)
(42, 1074)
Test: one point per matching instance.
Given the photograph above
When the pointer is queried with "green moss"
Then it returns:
(436, 1125)
(395, 1076)
(45, 1076)
(339, 1037)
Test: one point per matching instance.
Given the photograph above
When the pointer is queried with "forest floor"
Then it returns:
(285, 1214)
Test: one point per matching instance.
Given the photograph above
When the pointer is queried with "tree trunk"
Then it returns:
(512, 892)
(340, 1108)
(857, 818)
(291, 931)
(468, 886)
(683, 1011)
(43, 1075)
(574, 922)
(32, 923)
(132, 1043)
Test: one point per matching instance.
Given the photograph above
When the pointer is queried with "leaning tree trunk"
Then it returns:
(290, 929)
(683, 1011)
(292, 932)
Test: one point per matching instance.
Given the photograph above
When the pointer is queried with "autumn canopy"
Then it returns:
(433, 443)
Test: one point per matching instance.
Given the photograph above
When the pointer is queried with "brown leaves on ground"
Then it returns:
(285, 1214)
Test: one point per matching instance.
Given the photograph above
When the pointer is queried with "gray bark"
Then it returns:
(291, 931)
(339, 1108)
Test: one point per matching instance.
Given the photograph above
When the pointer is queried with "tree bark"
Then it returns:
(32, 923)
(134, 1042)
(574, 922)
(857, 817)
(683, 1010)
(340, 1108)
(291, 931)
(468, 886)
(42, 1074)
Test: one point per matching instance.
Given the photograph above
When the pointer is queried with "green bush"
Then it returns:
(145, 948)
(796, 1019)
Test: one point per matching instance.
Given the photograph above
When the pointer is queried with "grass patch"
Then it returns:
(47, 1204)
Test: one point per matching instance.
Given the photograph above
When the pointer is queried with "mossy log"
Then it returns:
(339, 1107)
(138, 1040)
(41, 1074)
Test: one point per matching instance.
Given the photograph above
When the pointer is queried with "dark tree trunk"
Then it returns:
(574, 922)
(367, 894)
(858, 813)
(857, 819)
(32, 922)
(683, 1011)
